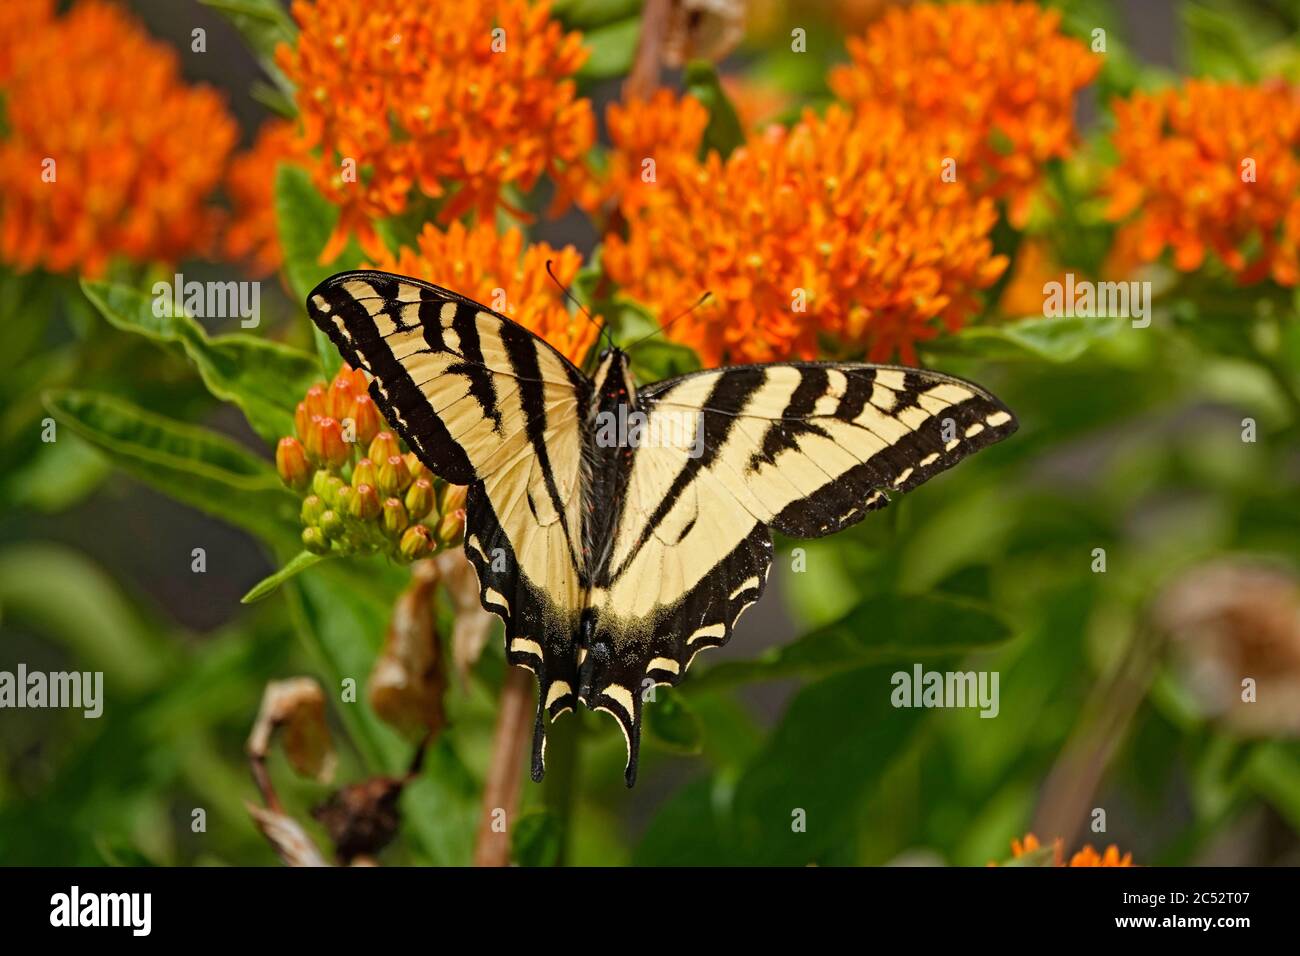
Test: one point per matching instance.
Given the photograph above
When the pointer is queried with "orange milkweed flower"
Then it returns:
(456, 99)
(252, 234)
(819, 232)
(995, 81)
(497, 270)
(1084, 857)
(108, 152)
(1211, 167)
(17, 22)
(1090, 857)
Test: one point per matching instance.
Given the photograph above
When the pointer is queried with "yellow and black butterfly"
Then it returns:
(620, 530)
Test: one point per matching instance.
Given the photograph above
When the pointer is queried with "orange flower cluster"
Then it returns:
(252, 234)
(459, 99)
(1212, 166)
(496, 269)
(17, 22)
(363, 492)
(108, 153)
(995, 81)
(1085, 857)
(824, 229)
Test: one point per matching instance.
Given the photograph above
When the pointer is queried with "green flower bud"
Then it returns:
(312, 508)
(417, 542)
(331, 525)
(419, 499)
(313, 539)
(394, 518)
(394, 476)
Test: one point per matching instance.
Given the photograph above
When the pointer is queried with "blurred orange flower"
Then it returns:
(821, 230)
(458, 99)
(251, 235)
(996, 82)
(1085, 857)
(497, 270)
(108, 152)
(1212, 166)
(17, 21)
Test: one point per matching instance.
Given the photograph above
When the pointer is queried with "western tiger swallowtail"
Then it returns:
(612, 561)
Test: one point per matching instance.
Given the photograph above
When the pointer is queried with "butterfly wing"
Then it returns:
(485, 403)
(805, 448)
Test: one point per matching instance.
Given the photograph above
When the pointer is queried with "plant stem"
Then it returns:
(560, 785)
(505, 772)
(643, 79)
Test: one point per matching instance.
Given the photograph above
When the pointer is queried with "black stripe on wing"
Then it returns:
(927, 422)
(539, 635)
(623, 664)
(355, 333)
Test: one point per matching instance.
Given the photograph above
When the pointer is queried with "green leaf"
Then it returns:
(724, 132)
(58, 592)
(535, 839)
(612, 48)
(265, 379)
(305, 221)
(889, 627)
(299, 563)
(1058, 339)
(191, 464)
(673, 723)
(264, 24)
(1224, 44)
(585, 14)
(834, 743)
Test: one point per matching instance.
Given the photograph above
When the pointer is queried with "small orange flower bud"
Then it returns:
(315, 400)
(394, 518)
(383, 447)
(314, 540)
(416, 543)
(453, 497)
(363, 473)
(333, 449)
(418, 468)
(364, 503)
(365, 413)
(451, 529)
(291, 463)
(301, 420)
(394, 477)
(360, 384)
(419, 498)
(339, 399)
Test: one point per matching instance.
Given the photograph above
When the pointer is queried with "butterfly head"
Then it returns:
(614, 381)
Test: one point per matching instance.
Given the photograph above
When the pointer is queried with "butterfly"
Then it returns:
(619, 529)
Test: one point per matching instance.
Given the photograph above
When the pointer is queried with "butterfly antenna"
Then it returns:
(574, 299)
(664, 328)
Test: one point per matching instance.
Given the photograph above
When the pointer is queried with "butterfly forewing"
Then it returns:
(484, 403)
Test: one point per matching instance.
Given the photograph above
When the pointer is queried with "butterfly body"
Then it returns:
(619, 529)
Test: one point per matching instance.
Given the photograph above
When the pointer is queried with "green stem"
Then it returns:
(559, 788)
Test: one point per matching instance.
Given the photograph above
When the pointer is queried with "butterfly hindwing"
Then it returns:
(804, 448)
(484, 403)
